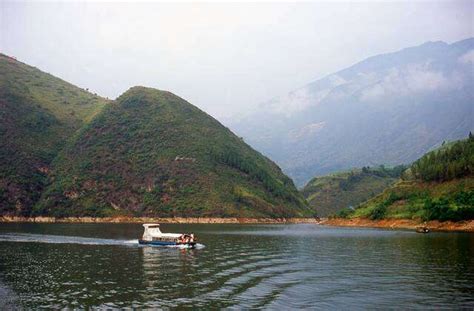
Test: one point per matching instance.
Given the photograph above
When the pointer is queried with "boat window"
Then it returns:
(154, 230)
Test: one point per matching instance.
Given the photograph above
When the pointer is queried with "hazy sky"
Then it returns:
(226, 58)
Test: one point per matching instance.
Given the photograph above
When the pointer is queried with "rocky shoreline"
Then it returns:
(175, 220)
(433, 225)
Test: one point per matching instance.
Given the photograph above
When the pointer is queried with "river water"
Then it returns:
(236, 266)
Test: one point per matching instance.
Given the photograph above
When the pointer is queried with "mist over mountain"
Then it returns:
(387, 109)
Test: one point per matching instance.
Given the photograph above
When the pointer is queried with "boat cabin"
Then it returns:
(153, 235)
(151, 230)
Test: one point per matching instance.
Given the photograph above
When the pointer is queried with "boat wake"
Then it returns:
(62, 239)
(197, 246)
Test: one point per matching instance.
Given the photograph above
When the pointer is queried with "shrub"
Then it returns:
(442, 209)
(378, 212)
(392, 198)
(344, 213)
(437, 209)
(464, 199)
(464, 213)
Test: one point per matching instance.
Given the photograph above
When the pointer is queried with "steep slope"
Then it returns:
(438, 186)
(388, 109)
(329, 194)
(38, 113)
(152, 153)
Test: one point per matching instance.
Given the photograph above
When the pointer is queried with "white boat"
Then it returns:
(154, 236)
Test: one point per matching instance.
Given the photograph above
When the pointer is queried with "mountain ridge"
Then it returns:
(67, 152)
(39, 113)
(151, 153)
(387, 109)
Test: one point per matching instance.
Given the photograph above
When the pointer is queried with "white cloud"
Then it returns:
(467, 58)
(226, 58)
(307, 130)
(302, 98)
(336, 80)
(291, 103)
(410, 80)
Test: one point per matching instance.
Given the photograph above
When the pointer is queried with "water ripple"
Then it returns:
(241, 267)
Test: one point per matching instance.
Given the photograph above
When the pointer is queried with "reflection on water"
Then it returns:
(242, 266)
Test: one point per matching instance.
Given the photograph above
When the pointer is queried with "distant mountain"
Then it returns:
(38, 113)
(438, 186)
(329, 194)
(152, 153)
(388, 109)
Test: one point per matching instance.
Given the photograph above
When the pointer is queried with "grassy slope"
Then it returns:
(442, 198)
(38, 113)
(329, 194)
(125, 162)
(406, 199)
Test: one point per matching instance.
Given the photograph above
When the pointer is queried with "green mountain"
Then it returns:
(332, 193)
(152, 153)
(38, 113)
(440, 185)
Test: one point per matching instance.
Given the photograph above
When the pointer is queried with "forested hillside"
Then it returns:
(67, 152)
(449, 162)
(438, 186)
(38, 113)
(332, 193)
(150, 153)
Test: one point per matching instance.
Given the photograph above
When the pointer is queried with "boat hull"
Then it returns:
(165, 243)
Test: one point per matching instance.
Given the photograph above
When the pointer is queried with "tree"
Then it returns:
(455, 161)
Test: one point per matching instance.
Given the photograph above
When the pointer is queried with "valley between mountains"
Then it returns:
(66, 152)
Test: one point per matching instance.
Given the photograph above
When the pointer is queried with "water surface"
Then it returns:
(238, 266)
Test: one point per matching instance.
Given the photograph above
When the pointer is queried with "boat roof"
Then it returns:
(151, 225)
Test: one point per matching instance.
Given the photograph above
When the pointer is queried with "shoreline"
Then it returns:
(432, 225)
(174, 220)
(409, 224)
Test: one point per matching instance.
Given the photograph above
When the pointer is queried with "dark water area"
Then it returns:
(237, 266)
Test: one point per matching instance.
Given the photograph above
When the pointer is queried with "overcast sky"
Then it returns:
(225, 58)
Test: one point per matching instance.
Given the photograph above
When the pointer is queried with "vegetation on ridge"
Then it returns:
(438, 186)
(332, 193)
(453, 161)
(151, 153)
(38, 113)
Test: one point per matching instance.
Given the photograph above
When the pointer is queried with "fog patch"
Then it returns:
(303, 98)
(336, 80)
(306, 131)
(293, 102)
(467, 58)
(411, 80)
